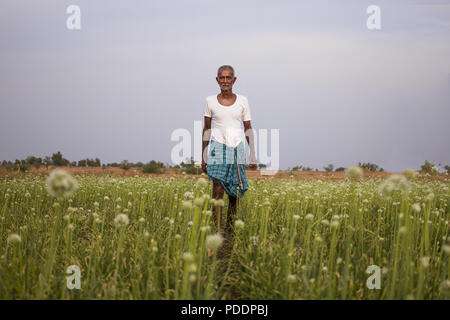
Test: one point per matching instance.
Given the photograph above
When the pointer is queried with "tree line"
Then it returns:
(427, 167)
(188, 166)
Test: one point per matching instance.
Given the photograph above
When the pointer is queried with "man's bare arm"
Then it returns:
(205, 142)
(250, 140)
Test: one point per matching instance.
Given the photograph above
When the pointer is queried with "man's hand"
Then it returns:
(252, 161)
(204, 167)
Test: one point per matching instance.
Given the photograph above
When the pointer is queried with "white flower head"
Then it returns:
(188, 195)
(192, 267)
(395, 182)
(445, 284)
(409, 173)
(121, 220)
(214, 241)
(425, 262)
(354, 173)
(14, 238)
(220, 203)
(239, 224)
(446, 249)
(415, 207)
(202, 182)
(199, 201)
(291, 278)
(186, 205)
(188, 257)
(61, 184)
(205, 229)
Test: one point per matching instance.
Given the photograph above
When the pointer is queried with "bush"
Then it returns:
(447, 167)
(153, 167)
(427, 167)
(371, 167)
(21, 165)
(193, 170)
(125, 165)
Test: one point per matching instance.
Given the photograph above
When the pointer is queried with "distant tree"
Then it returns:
(188, 164)
(97, 162)
(47, 162)
(329, 168)
(153, 167)
(82, 163)
(21, 165)
(125, 165)
(447, 168)
(340, 169)
(297, 168)
(427, 167)
(262, 166)
(371, 167)
(8, 165)
(73, 164)
(94, 163)
(34, 161)
(58, 160)
(114, 164)
(140, 164)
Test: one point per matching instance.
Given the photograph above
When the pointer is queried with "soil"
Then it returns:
(177, 173)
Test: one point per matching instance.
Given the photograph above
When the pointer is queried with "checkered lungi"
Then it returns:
(227, 164)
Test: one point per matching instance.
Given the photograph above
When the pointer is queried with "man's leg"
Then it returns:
(230, 214)
(218, 191)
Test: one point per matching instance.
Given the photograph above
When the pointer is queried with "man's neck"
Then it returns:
(226, 94)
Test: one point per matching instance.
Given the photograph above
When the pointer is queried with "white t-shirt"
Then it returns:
(227, 120)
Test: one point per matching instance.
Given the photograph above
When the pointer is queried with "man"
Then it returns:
(225, 163)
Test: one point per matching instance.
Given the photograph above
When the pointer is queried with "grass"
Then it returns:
(300, 240)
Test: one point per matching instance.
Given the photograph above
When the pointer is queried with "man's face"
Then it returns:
(226, 79)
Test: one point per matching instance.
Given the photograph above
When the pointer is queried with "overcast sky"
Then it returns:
(137, 70)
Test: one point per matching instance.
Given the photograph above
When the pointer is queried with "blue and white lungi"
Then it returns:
(227, 164)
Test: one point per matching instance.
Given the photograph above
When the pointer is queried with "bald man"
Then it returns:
(225, 164)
